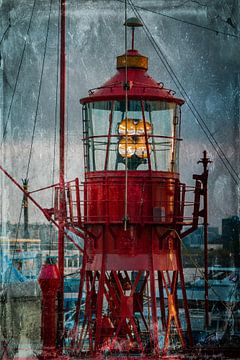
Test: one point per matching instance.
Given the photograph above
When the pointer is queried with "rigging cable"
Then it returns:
(4, 134)
(217, 32)
(18, 73)
(191, 107)
(30, 154)
(40, 88)
(17, 231)
(189, 102)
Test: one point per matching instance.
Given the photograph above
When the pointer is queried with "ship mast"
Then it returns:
(25, 209)
(61, 174)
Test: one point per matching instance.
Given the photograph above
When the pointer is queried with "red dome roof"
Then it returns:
(141, 85)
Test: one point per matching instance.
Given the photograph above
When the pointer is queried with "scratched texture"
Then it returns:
(206, 63)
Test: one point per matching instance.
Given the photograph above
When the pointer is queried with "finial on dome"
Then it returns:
(133, 22)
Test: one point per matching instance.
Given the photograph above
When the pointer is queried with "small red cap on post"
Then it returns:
(49, 278)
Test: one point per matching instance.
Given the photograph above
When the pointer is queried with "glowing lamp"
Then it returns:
(140, 128)
(141, 148)
(129, 124)
(126, 148)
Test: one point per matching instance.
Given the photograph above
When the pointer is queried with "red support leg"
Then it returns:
(154, 313)
(99, 307)
(161, 296)
(185, 304)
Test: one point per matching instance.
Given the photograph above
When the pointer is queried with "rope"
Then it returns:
(18, 73)
(190, 104)
(217, 32)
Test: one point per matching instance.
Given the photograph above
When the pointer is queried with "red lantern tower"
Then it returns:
(135, 213)
(134, 207)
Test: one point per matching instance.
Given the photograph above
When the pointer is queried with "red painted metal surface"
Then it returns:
(150, 197)
(61, 221)
(125, 269)
(142, 86)
(49, 280)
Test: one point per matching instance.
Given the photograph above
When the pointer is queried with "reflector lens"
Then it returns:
(131, 128)
(140, 147)
(136, 143)
(126, 149)
(140, 128)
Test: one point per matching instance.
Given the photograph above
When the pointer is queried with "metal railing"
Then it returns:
(177, 208)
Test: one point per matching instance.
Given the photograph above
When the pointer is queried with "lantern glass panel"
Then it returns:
(165, 120)
(124, 131)
(114, 137)
(96, 124)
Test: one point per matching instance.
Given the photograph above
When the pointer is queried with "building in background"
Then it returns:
(230, 237)
(196, 239)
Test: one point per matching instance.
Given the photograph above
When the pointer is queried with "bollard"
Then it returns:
(49, 280)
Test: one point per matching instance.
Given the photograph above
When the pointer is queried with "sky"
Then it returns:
(202, 48)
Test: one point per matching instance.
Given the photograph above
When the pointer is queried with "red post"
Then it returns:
(78, 205)
(61, 175)
(49, 281)
(205, 161)
(161, 296)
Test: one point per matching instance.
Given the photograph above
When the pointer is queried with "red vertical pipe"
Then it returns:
(204, 179)
(70, 200)
(153, 300)
(101, 291)
(206, 255)
(205, 162)
(161, 296)
(61, 173)
(78, 205)
(184, 294)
